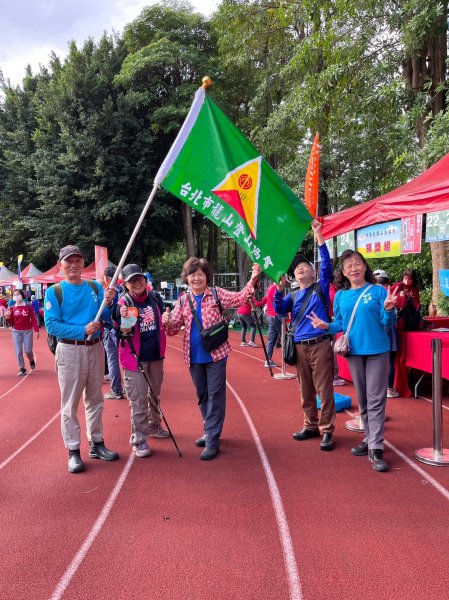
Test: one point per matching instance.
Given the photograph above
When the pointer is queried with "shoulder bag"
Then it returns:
(288, 348)
(342, 346)
(213, 337)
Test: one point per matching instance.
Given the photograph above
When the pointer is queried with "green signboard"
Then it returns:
(437, 226)
(345, 241)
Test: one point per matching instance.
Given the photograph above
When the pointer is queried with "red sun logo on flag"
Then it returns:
(240, 189)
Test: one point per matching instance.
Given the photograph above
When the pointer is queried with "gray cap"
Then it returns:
(69, 251)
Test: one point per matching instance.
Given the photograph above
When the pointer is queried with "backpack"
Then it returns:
(410, 315)
(52, 340)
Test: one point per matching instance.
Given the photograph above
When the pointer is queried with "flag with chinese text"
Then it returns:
(216, 170)
(19, 262)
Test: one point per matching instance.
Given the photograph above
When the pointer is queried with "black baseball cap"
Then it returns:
(69, 251)
(300, 258)
(130, 271)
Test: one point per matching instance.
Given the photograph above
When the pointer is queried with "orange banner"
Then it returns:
(312, 178)
(101, 261)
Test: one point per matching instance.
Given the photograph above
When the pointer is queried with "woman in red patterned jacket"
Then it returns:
(23, 320)
(207, 369)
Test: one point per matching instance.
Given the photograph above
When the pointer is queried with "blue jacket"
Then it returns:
(368, 333)
(282, 306)
(79, 307)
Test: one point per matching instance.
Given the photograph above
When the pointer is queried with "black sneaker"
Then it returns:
(377, 458)
(99, 450)
(32, 364)
(360, 450)
(21, 372)
(75, 464)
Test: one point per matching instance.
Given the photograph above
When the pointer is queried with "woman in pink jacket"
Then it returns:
(23, 320)
(148, 338)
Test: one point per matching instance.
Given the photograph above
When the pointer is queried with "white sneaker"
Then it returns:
(142, 450)
(392, 393)
(272, 364)
(244, 344)
(253, 344)
(339, 381)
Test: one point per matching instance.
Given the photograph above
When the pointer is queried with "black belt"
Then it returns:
(81, 342)
(315, 340)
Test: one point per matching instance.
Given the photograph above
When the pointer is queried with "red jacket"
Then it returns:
(22, 318)
(269, 298)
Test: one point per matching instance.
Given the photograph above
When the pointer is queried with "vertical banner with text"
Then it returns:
(411, 234)
(101, 261)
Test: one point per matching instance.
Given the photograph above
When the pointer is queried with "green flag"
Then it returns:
(215, 169)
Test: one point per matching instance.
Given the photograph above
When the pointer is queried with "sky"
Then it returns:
(31, 29)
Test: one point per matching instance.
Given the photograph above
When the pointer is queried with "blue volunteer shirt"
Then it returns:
(197, 353)
(368, 333)
(282, 306)
(79, 307)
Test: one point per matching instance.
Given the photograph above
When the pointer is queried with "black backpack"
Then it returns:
(52, 340)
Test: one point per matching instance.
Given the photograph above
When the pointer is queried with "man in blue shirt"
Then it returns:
(70, 312)
(314, 354)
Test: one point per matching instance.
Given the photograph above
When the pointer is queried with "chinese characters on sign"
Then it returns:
(345, 241)
(437, 226)
(380, 241)
(220, 213)
(411, 234)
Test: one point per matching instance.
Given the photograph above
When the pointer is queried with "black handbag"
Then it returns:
(213, 337)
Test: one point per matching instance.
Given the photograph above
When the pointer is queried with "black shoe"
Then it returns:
(209, 453)
(21, 372)
(377, 458)
(32, 364)
(360, 450)
(327, 443)
(99, 450)
(201, 442)
(306, 434)
(75, 464)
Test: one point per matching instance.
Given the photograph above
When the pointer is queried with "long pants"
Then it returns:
(23, 340)
(369, 375)
(111, 346)
(274, 334)
(209, 380)
(143, 411)
(315, 371)
(80, 369)
(248, 321)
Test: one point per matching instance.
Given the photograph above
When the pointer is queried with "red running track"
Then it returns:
(269, 518)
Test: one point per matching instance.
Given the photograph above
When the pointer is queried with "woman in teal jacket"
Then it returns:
(369, 347)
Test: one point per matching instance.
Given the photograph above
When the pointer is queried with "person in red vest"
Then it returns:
(22, 319)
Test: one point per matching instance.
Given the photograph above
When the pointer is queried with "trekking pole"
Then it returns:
(254, 310)
(153, 400)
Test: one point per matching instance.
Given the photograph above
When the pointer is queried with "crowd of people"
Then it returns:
(132, 330)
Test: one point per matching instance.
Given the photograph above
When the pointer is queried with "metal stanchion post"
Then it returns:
(355, 424)
(283, 374)
(437, 455)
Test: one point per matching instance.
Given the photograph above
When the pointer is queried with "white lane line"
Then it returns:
(294, 583)
(433, 482)
(431, 401)
(29, 441)
(22, 379)
(92, 535)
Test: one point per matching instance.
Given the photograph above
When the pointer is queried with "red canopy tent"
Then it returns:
(53, 275)
(29, 273)
(429, 192)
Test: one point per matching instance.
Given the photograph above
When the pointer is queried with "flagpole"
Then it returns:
(128, 247)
